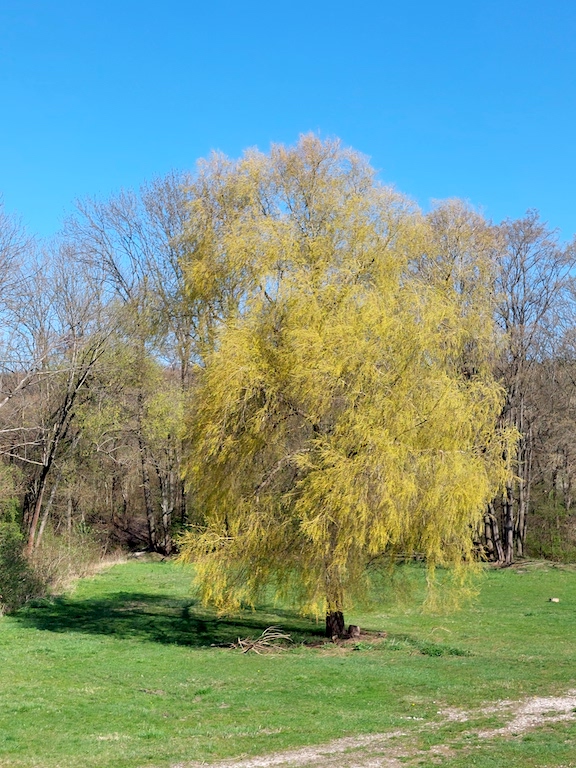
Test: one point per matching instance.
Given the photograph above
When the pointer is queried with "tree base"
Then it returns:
(334, 624)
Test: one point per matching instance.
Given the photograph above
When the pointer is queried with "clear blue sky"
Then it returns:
(468, 99)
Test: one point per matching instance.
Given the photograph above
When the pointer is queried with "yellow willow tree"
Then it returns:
(335, 420)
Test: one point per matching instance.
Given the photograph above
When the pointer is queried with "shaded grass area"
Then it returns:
(162, 619)
(156, 618)
(121, 673)
(152, 602)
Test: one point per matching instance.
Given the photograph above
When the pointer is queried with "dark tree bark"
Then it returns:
(334, 624)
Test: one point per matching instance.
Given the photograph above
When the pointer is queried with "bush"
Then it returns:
(551, 529)
(59, 560)
(18, 582)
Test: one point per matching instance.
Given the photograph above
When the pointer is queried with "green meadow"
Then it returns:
(127, 670)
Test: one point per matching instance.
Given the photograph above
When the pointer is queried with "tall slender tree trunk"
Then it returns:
(528, 486)
(166, 474)
(508, 524)
(146, 487)
(520, 522)
(492, 533)
(524, 478)
(183, 503)
(80, 369)
(46, 511)
(167, 490)
(48, 506)
(31, 542)
(568, 483)
(489, 549)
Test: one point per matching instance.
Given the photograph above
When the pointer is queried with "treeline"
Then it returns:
(105, 333)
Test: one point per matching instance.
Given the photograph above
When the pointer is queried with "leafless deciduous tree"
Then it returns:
(533, 301)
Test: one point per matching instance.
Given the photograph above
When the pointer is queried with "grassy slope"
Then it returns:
(121, 673)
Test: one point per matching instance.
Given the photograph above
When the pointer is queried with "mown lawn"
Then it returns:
(122, 673)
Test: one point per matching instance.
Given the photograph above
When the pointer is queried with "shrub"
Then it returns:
(552, 529)
(18, 582)
(61, 559)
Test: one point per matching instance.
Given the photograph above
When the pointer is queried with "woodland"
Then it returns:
(283, 371)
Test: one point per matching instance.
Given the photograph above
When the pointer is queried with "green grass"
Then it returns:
(122, 673)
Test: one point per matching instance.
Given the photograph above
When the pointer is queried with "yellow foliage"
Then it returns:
(346, 410)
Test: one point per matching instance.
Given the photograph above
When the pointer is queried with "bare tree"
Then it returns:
(64, 325)
(533, 277)
(134, 242)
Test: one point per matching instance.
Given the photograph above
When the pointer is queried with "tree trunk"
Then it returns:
(520, 522)
(183, 505)
(493, 542)
(168, 488)
(509, 525)
(524, 481)
(528, 488)
(334, 624)
(30, 544)
(498, 548)
(150, 517)
(46, 512)
(61, 420)
(334, 590)
(489, 548)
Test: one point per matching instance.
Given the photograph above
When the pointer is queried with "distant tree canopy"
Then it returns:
(346, 409)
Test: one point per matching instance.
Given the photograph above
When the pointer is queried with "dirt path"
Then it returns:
(393, 749)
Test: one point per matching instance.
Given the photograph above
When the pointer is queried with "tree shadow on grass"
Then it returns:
(160, 619)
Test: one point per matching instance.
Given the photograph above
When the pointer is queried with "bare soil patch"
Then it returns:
(396, 748)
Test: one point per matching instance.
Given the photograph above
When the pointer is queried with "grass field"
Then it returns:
(122, 673)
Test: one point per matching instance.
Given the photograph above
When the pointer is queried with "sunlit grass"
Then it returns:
(123, 672)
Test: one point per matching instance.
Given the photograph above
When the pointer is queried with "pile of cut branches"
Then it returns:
(270, 640)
